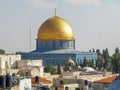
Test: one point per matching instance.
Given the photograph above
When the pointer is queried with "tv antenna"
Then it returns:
(55, 11)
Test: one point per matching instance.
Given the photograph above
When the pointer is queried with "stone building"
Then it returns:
(13, 64)
(9, 61)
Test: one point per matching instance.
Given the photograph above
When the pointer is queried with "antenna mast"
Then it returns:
(55, 11)
(29, 62)
(30, 39)
(30, 36)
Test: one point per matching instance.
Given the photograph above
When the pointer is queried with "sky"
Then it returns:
(96, 23)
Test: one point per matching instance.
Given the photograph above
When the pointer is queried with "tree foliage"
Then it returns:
(50, 69)
(2, 51)
(84, 62)
(69, 66)
(107, 60)
(116, 62)
(104, 59)
(99, 61)
(59, 69)
(117, 50)
(88, 62)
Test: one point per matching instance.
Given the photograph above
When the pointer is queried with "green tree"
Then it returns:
(90, 51)
(103, 60)
(93, 50)
(106, 58)
(50, 69)
(92, 63)
(98, 52)
(96, 64)
(58, 69)
(99, 61)
(117, 50)
(88, 62)
(116, 62)
(2, 51)
(84, 62)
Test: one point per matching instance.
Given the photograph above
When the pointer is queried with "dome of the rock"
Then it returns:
(55, 28)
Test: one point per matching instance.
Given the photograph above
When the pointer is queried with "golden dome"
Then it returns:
(55, 28)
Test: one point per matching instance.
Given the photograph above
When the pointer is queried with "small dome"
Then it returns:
(87, 69)
(55, 28)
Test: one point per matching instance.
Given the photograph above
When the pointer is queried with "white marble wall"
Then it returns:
(25, 84)
(9, 61)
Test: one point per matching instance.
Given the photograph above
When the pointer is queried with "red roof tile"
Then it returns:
(106, 80)
(44, 80)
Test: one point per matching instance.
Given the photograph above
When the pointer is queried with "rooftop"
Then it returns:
(106, 80)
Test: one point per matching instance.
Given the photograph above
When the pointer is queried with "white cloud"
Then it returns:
(41, 4)
(112, 7)
(85, 2)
